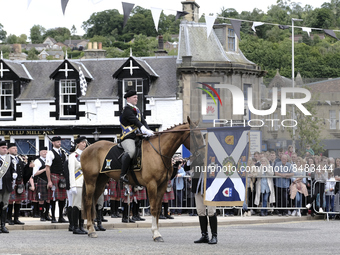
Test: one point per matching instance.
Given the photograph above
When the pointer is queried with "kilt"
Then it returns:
(114, 189)
(15, 197)
(168, 196)
(42, 192)
(32, 195)
(140, 194)
(59, 194)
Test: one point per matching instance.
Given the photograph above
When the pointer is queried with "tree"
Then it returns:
(3, 33)
(11, 39)
(36, 34)
(60, 34)
(142, 46)
(308, 127)
(22, 39)
(32, 54)
(103, 23)
(73, 30)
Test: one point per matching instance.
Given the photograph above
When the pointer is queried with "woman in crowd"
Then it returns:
(298, 185)
(321, 177)
(264, 185)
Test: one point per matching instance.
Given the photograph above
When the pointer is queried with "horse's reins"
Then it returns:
(165, 156)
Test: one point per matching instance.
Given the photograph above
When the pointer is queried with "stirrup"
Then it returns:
(127, 190)
(124, 179)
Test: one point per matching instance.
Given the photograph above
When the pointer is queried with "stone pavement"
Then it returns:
(178, 221)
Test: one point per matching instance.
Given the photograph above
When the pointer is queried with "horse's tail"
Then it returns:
(93, 211)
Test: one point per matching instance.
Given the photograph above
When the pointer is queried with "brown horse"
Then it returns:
(156, 169)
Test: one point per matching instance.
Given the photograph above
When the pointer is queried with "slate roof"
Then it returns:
(98, 73)
(194, 42)
(18, 68)
(328, 86)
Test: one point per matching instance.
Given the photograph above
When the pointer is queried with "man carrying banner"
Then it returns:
(7, 175)
(197, 189)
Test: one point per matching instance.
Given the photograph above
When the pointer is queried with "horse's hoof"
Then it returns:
(158, 239)
(93, 235)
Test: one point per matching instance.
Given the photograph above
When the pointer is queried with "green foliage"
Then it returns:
(60, 34)
(36, 34)
(3, 33)
(309, 127)
(142, 46)
(32, 54)
(11, 39)
(75, 54)
(113, 52)
(5, 50)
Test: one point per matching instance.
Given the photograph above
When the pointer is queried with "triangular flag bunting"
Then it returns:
(256, 24)
(83, 83)
(328, 102)
(284, 27)
(96, 1)
(180, 14)
(210, 20)
(156, 13)
(307, 29)
(330, 33)
(236, 25)
(127, 8)
(63, 5)
(28, 3)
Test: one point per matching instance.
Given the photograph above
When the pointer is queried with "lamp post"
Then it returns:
(293, 83)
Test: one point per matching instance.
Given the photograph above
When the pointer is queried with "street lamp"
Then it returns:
(293, 83)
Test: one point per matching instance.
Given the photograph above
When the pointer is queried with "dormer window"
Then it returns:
(137, 85)
(231, 39)
(6, 100)
(68, 98)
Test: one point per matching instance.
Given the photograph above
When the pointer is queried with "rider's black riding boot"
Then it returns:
(125, 167)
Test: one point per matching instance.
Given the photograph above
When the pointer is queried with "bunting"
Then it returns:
(156, 13)
(209, 20)
(307, 29)
(28, 3)
(63, 5)
(284, 27)
(236, 26)
(330, 33)
(180, 14)
(127, 8)
(256, 24)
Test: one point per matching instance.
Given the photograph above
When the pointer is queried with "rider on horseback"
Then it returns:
(131, 122)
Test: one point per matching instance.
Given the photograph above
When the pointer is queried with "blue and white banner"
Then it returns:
(227, 151)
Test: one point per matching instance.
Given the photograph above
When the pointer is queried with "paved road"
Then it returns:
(316, 237)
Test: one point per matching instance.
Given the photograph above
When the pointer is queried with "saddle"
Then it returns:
(113, 162)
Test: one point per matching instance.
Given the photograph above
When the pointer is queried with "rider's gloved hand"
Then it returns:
(146, 131)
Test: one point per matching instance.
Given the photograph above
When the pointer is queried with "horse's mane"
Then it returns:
(175, 126)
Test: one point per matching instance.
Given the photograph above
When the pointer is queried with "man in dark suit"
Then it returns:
(7, 175)
(131, 122)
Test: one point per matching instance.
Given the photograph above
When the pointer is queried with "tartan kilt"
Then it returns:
(114, 189)
(59, 194)
(32, 195)
(15, 197)
(140, 194)
(168, 196)
(42, 189)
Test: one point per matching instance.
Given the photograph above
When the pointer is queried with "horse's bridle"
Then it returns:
(195, 154)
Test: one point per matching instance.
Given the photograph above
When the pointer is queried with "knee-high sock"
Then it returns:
(53, 209)
(61, 207)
